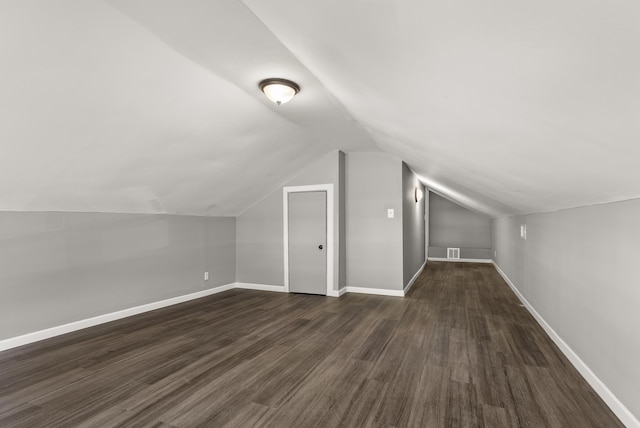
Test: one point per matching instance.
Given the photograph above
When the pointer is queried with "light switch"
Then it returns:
(390, 213)
(523, 231)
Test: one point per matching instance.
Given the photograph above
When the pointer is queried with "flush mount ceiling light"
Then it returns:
(279, 91)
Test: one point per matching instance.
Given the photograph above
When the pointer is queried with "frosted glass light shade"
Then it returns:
(279, 91)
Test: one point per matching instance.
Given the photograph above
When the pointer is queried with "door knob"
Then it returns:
(320, 247)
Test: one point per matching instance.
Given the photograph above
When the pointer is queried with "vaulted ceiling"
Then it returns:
(152, 106)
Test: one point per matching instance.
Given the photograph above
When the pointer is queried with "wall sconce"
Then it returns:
(279, 91)
(418, 194)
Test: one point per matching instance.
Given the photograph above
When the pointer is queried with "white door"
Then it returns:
(308, 242)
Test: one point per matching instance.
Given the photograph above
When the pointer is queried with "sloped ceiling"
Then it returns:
(101, 112)
(152, 105)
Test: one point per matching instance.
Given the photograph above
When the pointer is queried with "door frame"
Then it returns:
(330, 221)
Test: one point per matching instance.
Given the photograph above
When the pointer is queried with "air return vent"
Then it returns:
(453, 253)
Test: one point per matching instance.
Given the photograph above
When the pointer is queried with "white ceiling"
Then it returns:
(152, 105)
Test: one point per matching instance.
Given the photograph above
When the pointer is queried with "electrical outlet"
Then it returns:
(390, 213)
(206, 276)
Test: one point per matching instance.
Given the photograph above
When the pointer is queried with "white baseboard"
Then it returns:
(36, 336)
(410, 284)
(377, 291)
(337, 293)
(627, 418)
(442, 259)
(259, 287)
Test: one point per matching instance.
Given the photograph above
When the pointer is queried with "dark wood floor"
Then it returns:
(458, 351)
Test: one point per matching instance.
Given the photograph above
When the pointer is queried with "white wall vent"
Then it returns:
(453, 253)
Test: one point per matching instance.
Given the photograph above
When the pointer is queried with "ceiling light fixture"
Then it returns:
(279, 91)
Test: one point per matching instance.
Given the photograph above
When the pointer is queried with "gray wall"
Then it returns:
(451, 225)
(374, 242)
(578, 269)
(413, 225)
(259, 247)
(426, 222)
(342, 223)
(57, 267)
(465, 253)
(259, 230)
(368, 246)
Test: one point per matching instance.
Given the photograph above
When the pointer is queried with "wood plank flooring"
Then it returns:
(458, 351)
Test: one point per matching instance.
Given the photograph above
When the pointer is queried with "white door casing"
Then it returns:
(328, 188)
